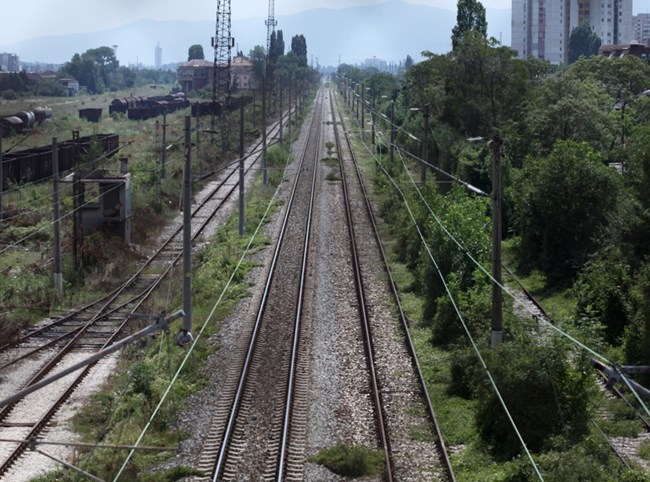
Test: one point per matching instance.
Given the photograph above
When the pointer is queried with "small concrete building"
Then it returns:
(241, 71)
(195, 74)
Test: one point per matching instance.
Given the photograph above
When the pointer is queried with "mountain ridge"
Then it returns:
(389, 31)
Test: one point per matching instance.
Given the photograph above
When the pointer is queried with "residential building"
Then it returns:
(9, 62)
(541, 28)
(241, 73)
(375, 63)
(641, 27)
(635, 49)
(195, 74)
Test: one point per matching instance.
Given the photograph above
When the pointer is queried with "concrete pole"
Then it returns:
(164, 145)
(241, 165)
(363, 105)
(265, 177)
(289, 112)
(372, 116)
(497, 296)
(58, 275)
(2, 179)
(392, 131)
(281, 116)
(425, 144)
(198, 142)
(185, 335)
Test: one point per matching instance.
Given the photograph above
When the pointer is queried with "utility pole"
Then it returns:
(58, 276)
(198, 141)
(372, 116)
(289, 112)
(392, 131)
(265, 177)
(497, 296)
(425, 143)
(164, 145)
(363, 105)
(2, 178)
(281, 115)
(241, 165)
(185, 335)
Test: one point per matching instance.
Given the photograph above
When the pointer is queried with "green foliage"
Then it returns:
(299, 47)
(470, 16)
(195, 52)
(583, 42)
(351, 461)
(565, 206)
(9, 94)
(92, 69)
(637, 335)
(603, 294)
(545, 395)
(173, 474)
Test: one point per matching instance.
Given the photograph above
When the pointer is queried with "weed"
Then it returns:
(351, 461)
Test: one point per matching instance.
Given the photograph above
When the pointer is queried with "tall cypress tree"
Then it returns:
(470, 16)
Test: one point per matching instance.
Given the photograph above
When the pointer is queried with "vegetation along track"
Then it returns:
(60, 343)
(249, 438)
(407, 425)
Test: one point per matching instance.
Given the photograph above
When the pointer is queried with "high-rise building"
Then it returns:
(9, 62)
(158, 62)
(541, 28)
(641, 28)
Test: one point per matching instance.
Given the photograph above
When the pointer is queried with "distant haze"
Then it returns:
(388, 31)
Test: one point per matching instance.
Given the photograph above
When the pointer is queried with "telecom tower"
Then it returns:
(222, 43)
(271, 22)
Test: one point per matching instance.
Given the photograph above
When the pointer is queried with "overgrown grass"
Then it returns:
(351, 461)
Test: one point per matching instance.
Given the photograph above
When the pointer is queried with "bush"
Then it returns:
(546, 397)
(351, 461)
(9, 94)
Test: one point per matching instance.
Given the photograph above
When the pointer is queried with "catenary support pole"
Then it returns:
(265, 176)
(392, 131)
(185, 335)
(164, 145)
(363, 108)
(241, 165)
(198, 141)
(497, 296)
(58, 275)
(281, 117)
(2, 179)
(425, 144)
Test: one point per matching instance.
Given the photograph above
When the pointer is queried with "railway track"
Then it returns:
(388, 343)
(60, 343)
(250, 433)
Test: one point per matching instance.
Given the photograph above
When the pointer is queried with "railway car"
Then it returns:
(35, 164)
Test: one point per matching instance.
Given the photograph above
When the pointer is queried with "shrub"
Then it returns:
(351, 461)
(545, 395)
(9, 94)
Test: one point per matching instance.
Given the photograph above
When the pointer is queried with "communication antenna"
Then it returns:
(271, 22)
(222, 43)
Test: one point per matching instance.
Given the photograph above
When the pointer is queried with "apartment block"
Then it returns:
(541, 28)
(641, 28)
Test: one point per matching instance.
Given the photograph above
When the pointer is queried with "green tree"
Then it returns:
(408, 63)
(566, 203)
(583, 41)
(469, 16)
(258, 58)
(545, 395)
(299, 47)
(195, 52)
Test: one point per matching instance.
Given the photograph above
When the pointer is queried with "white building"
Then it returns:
(541, 28)
(158, 56)
(9, 62)
(641, 28)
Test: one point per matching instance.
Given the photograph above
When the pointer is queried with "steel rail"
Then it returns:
(405, 324)
(237, 401)
(363, 312)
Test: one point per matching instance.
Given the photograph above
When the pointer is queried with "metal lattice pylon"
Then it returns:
(222, 43)
(271, 22)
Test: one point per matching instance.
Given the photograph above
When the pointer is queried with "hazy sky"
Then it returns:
(35, 18)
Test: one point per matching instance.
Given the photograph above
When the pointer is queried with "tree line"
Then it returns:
(576, 175)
